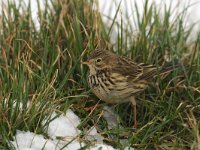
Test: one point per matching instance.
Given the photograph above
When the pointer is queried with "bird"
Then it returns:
(118, 79)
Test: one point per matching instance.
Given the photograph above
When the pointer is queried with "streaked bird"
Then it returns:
(117, 79)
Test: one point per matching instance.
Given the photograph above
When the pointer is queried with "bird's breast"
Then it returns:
(109, 88)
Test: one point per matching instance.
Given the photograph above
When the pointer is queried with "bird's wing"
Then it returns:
(127, 68)
(149, 71)
(134, 71)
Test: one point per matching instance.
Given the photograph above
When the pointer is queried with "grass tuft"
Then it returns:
(40, 72)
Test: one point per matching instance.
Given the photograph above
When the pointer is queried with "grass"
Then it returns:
(40, 72)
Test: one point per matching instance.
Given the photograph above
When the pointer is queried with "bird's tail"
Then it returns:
(170, 66)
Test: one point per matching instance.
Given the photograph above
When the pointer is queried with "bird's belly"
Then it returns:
(112, 96)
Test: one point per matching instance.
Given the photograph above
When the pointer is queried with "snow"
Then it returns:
(28, 140)
(102, 147)
(94, 136)
(110, 117)
(127, 13)
(64, 126)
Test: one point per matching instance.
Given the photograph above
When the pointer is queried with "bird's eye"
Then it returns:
(99, 60)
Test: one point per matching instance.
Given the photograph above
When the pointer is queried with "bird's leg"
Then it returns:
(92, 108)
(132, 99)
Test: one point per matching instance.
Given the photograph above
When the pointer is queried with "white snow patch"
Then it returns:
(64, 125)
(94, 136)
(110, 117)
(128, 148)
(72, 145)
(28, 140)
(128, 14)
(102, 147)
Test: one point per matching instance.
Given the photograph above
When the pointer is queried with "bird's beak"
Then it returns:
(86, 62)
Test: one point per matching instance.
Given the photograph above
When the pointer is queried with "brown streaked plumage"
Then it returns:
(116, 79)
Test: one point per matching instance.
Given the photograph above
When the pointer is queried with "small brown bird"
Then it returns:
(116, 79)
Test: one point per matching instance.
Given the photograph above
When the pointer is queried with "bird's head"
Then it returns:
(100, 59)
